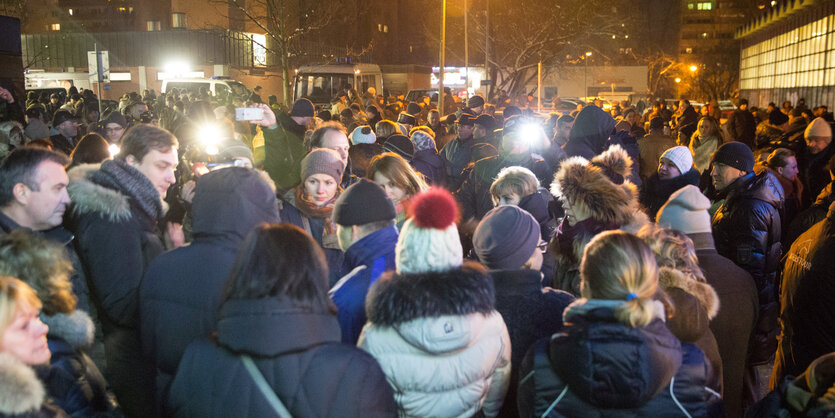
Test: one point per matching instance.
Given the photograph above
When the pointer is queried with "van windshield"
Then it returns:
(238, 89)
(320, 88)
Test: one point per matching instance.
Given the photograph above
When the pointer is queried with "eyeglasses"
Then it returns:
(542, 246)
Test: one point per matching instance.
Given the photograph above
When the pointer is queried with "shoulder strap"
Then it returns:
(265, 388)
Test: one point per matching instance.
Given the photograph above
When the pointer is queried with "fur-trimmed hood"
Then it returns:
(76, 328)
(89, 197)
(395, 299)
(587, 184)
(20, 389)
(671, 278)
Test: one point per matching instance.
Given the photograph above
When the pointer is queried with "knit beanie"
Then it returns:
(818, 128)
(506, 238)
(429, 239)
(422, 141)
(777, 118)
(363, 135)
(233, 148)
(406, 119)
(303, 108)
(735, 154)
(413, 108)
(686, 210)
(681, 157)
(114, 117)
(400, 144)
(362, 203)
(486, 121)
(475, 101)
(322, 161)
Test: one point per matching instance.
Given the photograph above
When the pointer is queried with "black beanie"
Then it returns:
(413, 108)
(401, 145)
(303, 108)
(475, 101)
(363, 203)
(735, 154)
(506, 238)
(777, 118)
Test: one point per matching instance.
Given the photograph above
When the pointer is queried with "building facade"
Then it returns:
(788, 53)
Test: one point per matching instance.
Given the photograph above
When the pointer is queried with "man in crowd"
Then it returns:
(114, 216)
(457, 154)
(284, 143)
(741, 124)
(652, 146)
(813, 160)
(67, 126)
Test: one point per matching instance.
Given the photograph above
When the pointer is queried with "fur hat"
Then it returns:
(429, 239)
(589, 185)
(687, 211)
(363, 135)
(681, 157)
(818, 128)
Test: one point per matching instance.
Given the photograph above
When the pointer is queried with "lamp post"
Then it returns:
(586, 75)
(441, 69)
(466, 55)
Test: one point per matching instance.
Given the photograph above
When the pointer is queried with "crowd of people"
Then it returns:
(382, 258)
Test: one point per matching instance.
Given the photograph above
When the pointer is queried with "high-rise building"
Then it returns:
(708, 25)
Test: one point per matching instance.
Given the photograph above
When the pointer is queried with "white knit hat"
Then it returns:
(429, 240)
(686, 210)
(681, 157)
(818, 128)
(363, 135)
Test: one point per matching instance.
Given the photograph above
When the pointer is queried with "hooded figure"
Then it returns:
(590, 134)
(596, 198)
(180, 292)
(432, 325)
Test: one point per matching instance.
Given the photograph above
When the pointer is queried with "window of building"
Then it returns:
(178, 20)
(70, 11)
(153, 25)
(704, 6)
(385, 29)
(55, 26)
(690, 6)
(688, 50)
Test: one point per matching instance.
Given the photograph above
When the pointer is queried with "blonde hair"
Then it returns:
(673, 249)
(12, 293)
(617, 265)
(41, 264)
(517, 180)
(422, 128)
(398, 171)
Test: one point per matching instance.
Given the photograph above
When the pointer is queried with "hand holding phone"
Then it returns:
(249, 113)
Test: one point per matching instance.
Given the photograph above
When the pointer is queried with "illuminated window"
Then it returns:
(178, 20)
(153, 25)
(122, 10)
(385, 29)
(55, 26)
(690, 6)
(704, 6)
(688, 50)
(70, 12)
(379, 27)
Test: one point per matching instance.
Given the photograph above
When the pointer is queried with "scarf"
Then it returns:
(309, 208)
(567, 234)
(121, 176)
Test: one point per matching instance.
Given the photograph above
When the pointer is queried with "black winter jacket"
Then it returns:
(804, 220)
(814, 172)
(180, 293)
(590, 134)
(299, 355)
(431, 165)
(746, 229)
(601, 367)
(655, 191)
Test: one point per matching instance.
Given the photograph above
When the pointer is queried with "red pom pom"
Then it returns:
(434, 208)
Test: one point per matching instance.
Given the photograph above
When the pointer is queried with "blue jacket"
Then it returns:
(365, 261)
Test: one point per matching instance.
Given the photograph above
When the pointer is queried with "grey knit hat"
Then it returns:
(323, 161)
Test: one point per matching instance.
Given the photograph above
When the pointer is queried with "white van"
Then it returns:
(321, 83)
(213, 85)
(38, 80)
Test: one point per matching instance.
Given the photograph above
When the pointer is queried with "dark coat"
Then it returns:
(72, 379)
(743, 127)
(299, 355)
(746, 229)
(22, 394)
(116, 240)
(431, 165)
(365, 261)
(685, 124)
(814, 172)
(590, 134)
(599, 364)
(180, 292)
(283, 152)
(655, 191)
(457, 154)
(734, 323)
(804, 220)
(530, 313)
(807, 317)
(333, 255)
(62, 144)
(474, 193)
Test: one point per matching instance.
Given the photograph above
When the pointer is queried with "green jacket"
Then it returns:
(283, 152)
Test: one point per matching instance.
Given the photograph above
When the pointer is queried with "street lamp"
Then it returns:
(441, 69)
(678, 79)
(693, 68)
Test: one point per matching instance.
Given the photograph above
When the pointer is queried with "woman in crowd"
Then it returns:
(432, 324)
(310, 204)
(384, 129)
(675, 170)
(277, 324)
(72, 379)
(426, 159)
(615, 355)
(704, 142)
(400, 181)
(91, 149)
(22, 346)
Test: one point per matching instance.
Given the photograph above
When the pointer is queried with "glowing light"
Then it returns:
(678, 80)
(588, 54)
(693, 68)
(113, 149)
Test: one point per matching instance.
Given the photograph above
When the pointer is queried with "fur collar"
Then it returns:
(669, 278)
(77, 328)
(20, 389)
(89, 197)
(395, 299)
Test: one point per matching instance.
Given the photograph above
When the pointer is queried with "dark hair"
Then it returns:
(315, 140)
(20, 166)
(280, 260)
(91, 149)
(35, 111)
(143, 138)
(565, 119)
(75, 97)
